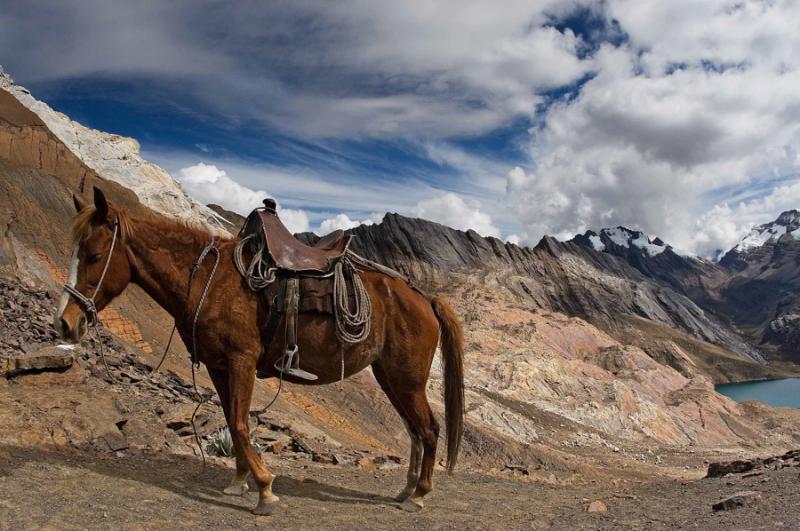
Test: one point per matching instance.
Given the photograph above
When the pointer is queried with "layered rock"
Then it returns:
(113, 157)
(573, 278)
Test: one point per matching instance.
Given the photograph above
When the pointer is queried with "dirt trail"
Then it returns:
(72, 489)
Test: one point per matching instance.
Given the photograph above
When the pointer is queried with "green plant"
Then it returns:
(220, 443)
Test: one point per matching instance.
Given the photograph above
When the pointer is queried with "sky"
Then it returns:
(678, 118)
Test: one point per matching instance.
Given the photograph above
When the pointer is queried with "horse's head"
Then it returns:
(100, 268)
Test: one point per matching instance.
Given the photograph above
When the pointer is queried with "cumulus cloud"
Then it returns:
(722, 227)
(674, 124)
(343, 222)
(208, 184)
(452, 210)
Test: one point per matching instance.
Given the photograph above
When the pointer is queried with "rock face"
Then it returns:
(762, 294)
(113, 157)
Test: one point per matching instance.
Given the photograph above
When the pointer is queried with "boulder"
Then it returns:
(115, 441)
(717, 470)
(56, 358)
(744, 498)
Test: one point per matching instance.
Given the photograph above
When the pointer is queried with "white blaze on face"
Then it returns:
(73, 278)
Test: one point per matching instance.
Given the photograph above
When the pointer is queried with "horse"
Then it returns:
(112, 249)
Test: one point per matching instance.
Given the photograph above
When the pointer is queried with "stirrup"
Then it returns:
(289, 365)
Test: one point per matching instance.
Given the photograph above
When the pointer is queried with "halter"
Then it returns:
(88, 303)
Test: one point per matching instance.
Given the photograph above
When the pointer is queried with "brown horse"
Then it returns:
(112, 250)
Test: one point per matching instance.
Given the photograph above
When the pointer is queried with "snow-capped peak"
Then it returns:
(627, 238)
(787, 223)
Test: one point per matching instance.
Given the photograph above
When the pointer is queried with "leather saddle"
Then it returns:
(287, 253)
(287, 260)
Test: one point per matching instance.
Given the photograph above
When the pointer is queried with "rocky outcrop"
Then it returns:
(113, 157)
(46, 359)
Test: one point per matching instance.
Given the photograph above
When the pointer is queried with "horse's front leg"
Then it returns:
(238, 486)
(241, 377)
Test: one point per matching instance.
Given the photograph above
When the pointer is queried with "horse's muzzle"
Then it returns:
(71, 333)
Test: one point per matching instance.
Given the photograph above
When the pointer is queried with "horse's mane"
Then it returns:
(81, 226)
(192, 229)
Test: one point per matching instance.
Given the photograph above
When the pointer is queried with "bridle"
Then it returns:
(88, 303)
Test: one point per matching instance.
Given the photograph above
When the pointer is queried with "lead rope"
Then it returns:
(195, 362)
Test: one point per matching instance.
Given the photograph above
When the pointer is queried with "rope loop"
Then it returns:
(352, 326)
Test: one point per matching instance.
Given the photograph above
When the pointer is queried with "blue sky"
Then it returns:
(544, 117)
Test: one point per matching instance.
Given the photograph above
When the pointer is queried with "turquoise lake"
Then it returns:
(782, 393)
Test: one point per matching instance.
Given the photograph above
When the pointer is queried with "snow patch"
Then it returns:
(762, 235)
(625, 238)
(650, 248)
(597, 243)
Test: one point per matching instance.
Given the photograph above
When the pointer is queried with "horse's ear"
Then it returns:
(100, 204)
(79, 204)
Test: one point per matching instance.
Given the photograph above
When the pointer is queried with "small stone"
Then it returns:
(327, 459)
(115, 441)
(744, 498)
(597, 506)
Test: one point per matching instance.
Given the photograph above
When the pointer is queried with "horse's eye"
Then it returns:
(94, 257)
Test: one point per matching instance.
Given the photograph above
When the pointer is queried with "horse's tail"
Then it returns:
(452, 337)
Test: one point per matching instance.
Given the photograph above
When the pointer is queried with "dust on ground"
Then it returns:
(75, 489)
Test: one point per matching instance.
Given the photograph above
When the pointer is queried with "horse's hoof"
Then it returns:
(237, 489)
(412, 505)
(403, 496)
(266, 507)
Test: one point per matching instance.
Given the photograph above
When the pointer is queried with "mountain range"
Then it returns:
(612, 339)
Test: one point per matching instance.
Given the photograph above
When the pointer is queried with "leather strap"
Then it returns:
(277, 308)
(292, 307)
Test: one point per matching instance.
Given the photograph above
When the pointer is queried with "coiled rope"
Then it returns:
(258, 274)
(352, 326)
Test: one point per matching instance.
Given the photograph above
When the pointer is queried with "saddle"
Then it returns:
(287, 252)
(294, 276)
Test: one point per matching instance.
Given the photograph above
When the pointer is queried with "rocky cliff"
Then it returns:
(114, 157)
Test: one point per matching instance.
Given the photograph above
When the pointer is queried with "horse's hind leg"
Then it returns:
(241, 377)
(238, 486)
(425, 425)
(415, 457)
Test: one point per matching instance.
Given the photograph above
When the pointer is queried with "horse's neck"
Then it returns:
(163, 258)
